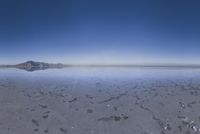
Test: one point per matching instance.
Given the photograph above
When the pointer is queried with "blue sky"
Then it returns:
(100, 31)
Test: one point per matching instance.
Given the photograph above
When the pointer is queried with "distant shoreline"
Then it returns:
(125, 65)
(134, 66)
(34, 66)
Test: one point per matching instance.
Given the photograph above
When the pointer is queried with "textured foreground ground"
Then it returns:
(97, 106)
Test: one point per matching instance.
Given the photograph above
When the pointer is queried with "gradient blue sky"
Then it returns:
(100, 31)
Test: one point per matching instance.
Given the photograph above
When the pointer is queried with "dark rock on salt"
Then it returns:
(89, 111)
(63, 130)
(35, 122)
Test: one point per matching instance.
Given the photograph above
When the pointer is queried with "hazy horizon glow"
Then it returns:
(100, 32)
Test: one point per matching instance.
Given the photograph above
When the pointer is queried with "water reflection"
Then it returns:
(103, 72)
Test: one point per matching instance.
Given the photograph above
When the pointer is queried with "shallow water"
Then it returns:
(104, 72)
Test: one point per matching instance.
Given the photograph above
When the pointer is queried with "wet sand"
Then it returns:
(99, 106)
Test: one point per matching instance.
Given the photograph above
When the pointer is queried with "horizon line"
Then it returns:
(119, 65)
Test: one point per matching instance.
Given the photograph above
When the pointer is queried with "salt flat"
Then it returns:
(100, 101)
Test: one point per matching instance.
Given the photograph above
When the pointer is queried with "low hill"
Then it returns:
(32, 65)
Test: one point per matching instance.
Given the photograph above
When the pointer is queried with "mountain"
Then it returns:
(33, 66)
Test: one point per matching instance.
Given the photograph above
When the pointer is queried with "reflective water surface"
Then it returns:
(104, 72)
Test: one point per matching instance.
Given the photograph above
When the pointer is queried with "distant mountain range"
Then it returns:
(33, 66)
